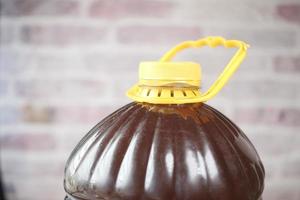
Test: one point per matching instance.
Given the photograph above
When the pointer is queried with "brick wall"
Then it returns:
(65, 64)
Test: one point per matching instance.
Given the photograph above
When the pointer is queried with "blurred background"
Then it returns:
(66, 64)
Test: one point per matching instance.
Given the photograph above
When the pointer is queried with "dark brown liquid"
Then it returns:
(165, 152)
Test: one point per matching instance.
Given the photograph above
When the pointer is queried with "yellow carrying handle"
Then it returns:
(228, 71)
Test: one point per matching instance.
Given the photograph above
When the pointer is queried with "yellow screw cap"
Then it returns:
(167, 82)
(160, 73)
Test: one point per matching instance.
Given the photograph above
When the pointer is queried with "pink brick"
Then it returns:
(156, 35)
(291, 169)
(14, 63)
(40, 187)
(70, 139)
(4, 84)
(268, 115)
(287, 64)
(34, 114)
(30, 167)
(7, 35)
(129, 8)
(8, 62)
(9, 115)
(81, 114)
(125, 62)
(270, 144)
(62, 35)
(38, 88)
(27, 141)
(281, 191)
(33, 188)
(260, 38)
(289, 12)
(39, 7)
(261, 89)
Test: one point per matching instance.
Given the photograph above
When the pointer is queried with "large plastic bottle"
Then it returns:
(168, 144)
